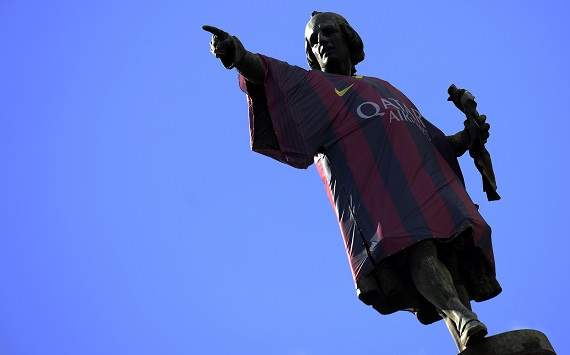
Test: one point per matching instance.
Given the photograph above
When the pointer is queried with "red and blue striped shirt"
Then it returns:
(390, 175)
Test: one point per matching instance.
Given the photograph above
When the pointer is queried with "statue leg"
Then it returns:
(464, 298)
(452, 330)
(434, 281)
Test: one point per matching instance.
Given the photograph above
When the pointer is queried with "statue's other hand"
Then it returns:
(482, 126)
(222, 45)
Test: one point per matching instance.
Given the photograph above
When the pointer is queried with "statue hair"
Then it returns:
(355, 44)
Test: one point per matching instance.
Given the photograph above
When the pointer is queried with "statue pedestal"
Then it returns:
(517, 342)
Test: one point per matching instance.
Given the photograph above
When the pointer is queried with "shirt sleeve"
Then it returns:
(284, 121)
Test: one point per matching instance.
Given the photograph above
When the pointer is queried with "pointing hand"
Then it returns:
(224, 46)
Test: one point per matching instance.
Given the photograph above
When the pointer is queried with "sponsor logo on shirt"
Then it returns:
(343, 91)
(392, 109)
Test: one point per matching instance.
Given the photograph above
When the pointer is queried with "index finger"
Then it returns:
(215, 31)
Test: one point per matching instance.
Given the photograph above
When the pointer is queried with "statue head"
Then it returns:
(331, 44)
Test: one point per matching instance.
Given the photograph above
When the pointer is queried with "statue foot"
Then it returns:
(517, 342)
(471, 332)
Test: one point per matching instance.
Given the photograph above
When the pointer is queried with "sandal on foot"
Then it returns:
(472, 332)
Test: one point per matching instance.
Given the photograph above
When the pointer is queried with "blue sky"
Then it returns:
(135, 219)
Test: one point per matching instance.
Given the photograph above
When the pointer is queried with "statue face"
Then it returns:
(328, 44)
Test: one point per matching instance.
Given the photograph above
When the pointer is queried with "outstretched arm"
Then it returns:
(232, 54)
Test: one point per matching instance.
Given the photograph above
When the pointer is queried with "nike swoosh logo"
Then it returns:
(343, 91)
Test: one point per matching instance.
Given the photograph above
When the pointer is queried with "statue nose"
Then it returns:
(323, 38)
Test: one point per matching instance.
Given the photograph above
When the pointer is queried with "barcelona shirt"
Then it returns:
(389, 174)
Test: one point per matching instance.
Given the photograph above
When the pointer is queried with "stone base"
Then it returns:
(517, 342)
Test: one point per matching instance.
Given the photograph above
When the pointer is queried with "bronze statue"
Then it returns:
(414, 238)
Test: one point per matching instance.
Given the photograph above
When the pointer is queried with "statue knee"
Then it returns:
(421, 251)
(422, 258)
